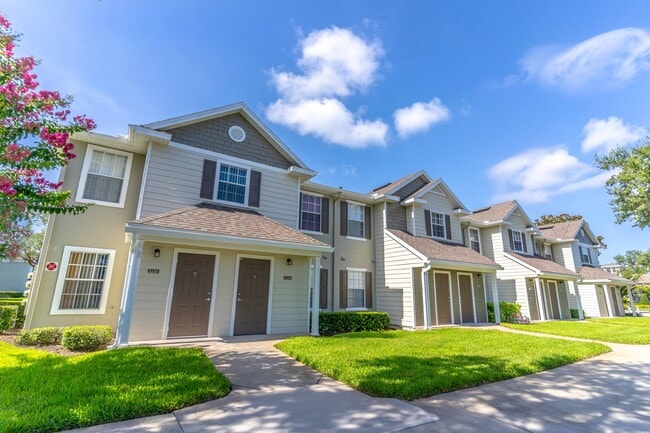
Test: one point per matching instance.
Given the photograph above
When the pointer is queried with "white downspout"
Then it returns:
(426, 312)
(495, 298)
(608, 300)
(315, 307)
(540, 297)
(578, 300)
(128, 298)
(629, 295)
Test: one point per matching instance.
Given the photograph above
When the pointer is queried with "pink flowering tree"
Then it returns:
(34, 137)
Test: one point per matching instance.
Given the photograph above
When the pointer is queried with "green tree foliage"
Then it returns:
(555, 219)
(630, 184)
(635, 263)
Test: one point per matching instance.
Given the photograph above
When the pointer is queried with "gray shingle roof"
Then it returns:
(544, 265)
(228, 221)
(565, 230)
(438, 250)
(384, 189)
(496, 212)
(588, 273)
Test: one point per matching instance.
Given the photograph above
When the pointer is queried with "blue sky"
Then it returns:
(508, 99)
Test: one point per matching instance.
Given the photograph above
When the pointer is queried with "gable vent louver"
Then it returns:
(237, 134)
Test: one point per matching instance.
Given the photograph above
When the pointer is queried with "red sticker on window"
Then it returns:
(51, 266)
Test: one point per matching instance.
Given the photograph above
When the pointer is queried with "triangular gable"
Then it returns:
(439, 187)
(392, 187)
(210, 130)
(521, 213)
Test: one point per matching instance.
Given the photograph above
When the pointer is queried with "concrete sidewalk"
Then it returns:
(274, 393)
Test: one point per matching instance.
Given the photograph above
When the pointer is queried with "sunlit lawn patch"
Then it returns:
(42, 392)
(411, 365)
(626, 330)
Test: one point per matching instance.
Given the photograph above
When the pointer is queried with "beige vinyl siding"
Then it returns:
(517, 223)
(439, 204)
(563, 294)
(174, 181)
(290, 297)
(412, 220)
(480, 298)
(395, 293)
(492, 247)
(512, 284)
(575, 256)
(571, 285)
(98, 227)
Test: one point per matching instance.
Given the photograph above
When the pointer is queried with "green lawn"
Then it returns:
(410, 365)
(43, 392)
(626, 330)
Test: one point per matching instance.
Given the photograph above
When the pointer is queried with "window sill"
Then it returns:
(311, 232)
(357, 309)
(100, 203)
(71, 312)
(354, 238)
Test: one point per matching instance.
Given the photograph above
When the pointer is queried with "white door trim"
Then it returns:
(234, 290)
(451, 296)
(172, 277)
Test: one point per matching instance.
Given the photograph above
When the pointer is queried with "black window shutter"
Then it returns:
(448, 226)
(343, 292)
(325, 215)
(208, 178)
(368, 289)
(255, 187)
(300, 212)
(523, 239)
(512, 244)
(427, 222)
(344, 218)
(366, 222)
(323, 289)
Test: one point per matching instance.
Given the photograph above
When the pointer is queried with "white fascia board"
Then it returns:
(296, 171)
(413, 200)
(406, 246)
(606, 281)
(345, 194)
(524, 264)
(464, 266)
(461, 211)
(145, 229)
(486, 223)
(410, 178)
(559, 276)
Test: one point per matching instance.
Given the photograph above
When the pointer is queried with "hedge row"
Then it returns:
(8, 316)
(349, 321)
(11, 294)
(76, 338)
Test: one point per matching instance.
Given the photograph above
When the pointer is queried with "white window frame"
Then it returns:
(58, 291)
(363, 280)
(514, 241)
(478, 235)
(320, 228)
(444, 225)
(362, 220)
(84, 175)
(246, 187)
(550, 250)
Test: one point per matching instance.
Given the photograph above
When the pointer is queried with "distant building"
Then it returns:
(13, 276)
(614, 268)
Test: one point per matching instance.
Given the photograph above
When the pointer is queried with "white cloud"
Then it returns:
(607, 134)
(537, 174)
(611, 58)
(419, 117)
(334, 63)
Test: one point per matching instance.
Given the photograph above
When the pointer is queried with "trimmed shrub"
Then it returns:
(352, 321)
(11, 294)
(574, 313)
(507, 309)
(40, 336)
(8, 315)
(86, 338)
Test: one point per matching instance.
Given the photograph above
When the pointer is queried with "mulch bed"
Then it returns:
(10, 337)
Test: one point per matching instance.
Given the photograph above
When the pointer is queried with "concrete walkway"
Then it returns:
(273, 393)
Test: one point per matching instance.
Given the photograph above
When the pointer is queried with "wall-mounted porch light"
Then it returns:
(156, 252)
(289, 262)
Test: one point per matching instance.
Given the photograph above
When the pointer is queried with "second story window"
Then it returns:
(232, 184)
(474, 240)
(310, 215)
(548, 253)
(517, 241)
(584, 253)
(356, 221)
(104, 177)
(437, 225)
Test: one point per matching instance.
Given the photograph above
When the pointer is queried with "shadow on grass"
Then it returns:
(53, 393)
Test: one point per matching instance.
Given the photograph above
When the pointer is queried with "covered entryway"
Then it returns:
(192, 296)
(466, 296)
(615, 310)
(602, 301)
(252, 300)
(533, 306)
(553, 300)
(443, 297)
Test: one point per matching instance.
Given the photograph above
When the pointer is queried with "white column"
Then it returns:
(629, 294)
(608, 300)
(128, 297)
(495, 299)
(578, 301)
(426, 313)
(540, 298)
(310, 291)
(557, 296)
(315, 304)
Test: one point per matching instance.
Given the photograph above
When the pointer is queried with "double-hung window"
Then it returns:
(548, 253)
(83, 281)
(104, 177)
(474, 240)
(232, 184)
(517, 241)
(310, 217)
(437, 225)
(584, 253)
(356, 221)
(356, 289)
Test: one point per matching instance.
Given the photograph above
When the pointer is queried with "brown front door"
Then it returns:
(466, 298)
(615, 309)
(532, 300)
(190, 311)
(552, 292)
(442, 298)
(252, 296)
(602, 302)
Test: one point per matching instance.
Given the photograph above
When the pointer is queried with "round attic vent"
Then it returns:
(237, 133)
